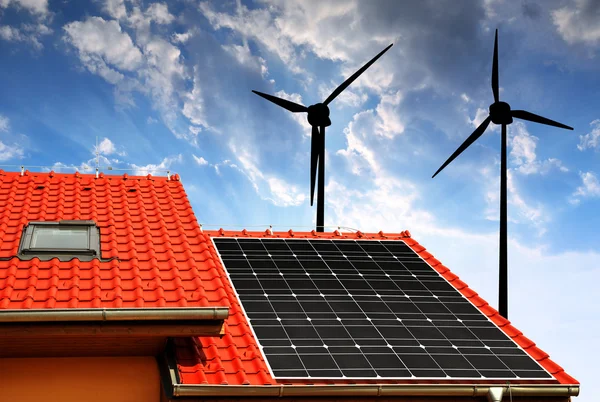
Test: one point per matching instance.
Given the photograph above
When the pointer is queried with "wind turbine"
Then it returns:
(501, 113)
(318, 118)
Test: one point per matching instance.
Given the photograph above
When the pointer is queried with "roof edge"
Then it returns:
(115, 314)
(313, 234)
(370, 390)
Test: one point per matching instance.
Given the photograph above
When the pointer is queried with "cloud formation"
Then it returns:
(8, 151)
(589, 188)
(26, 33)
(150, 65)
(200, 160)
(591, 139)
(39, 7)
(523, 153)
(579, 22)
(4, 123)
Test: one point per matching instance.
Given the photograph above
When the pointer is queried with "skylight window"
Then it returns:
(63, 239)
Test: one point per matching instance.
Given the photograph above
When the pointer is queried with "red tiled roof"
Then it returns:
(158, 256)
(149, 235)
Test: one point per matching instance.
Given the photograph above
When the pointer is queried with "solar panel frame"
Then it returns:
(421, 351)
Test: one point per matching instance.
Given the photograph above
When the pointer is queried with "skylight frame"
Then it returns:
(27, 251)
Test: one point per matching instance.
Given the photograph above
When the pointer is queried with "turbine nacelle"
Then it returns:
(500, 113)
(318, 115)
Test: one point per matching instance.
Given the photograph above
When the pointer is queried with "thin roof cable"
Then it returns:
(217, 225)
(83, 168)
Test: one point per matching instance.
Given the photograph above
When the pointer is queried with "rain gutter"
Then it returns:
(367, 390)
(114, 314)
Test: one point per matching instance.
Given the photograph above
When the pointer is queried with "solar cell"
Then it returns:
(363, 309)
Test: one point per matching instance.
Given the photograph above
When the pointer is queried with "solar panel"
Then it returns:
(363, 309)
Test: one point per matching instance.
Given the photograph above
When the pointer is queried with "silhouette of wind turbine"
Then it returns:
(501, 113)
(318, 118)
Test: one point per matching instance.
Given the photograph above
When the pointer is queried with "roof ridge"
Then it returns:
(79, 175)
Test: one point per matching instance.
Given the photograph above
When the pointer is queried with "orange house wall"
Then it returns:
(90, 379)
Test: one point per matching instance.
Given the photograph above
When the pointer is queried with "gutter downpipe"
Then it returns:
(360, 390)
(115, 314)
(495, 394)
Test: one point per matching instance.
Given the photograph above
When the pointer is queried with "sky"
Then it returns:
(153, 87)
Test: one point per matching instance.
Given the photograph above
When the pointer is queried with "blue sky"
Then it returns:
(168, 87)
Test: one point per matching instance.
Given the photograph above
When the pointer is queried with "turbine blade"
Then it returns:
(522, 114)
(472, 138)
(284, 103)
(354, 76)
(495, 71)
(314, 159)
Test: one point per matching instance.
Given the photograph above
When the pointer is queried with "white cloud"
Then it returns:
(39, 7)
(590, 188)
(389, 123)
(523, 152)
(165, 58)
(105, 147)
(349, 97)
(293, 29)
(193, 107)
(182, 37)
(243, 55)
(519, 210)
(268, 187)
(378, 78)
(535, 215)
(100, 40)
(115, 8)
(155, 169)
(523, 147)
(27, 33)
(591, 139)
(61, 167)
(389, 203)
(159, 13)
(151, 120)
(8, 152)
(200, 160)
(4, 123)
(384, 122)
(578, 22)
(283, 194)
(256, 24)
(194, 130)
(480, 115)
(155, 68)
(357, 153)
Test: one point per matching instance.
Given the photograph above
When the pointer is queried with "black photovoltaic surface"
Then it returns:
(363, 309)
